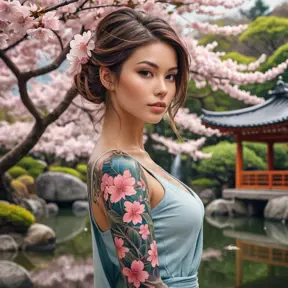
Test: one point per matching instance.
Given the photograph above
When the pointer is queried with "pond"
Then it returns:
(262, 260)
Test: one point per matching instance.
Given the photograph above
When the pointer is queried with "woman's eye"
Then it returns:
(172, 77)
(145, 73)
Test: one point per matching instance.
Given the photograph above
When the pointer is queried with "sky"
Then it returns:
(234, 12)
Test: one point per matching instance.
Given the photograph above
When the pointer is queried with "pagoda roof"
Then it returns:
(271, 112)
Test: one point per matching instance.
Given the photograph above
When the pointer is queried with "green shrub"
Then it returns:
(221, 166)
(82, 168)
(28, 163)
(204, 182)
(35, 172)
(66, 170)
(17, 171)
(16, 214)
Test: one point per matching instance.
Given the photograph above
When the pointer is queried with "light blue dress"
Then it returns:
(178, 225)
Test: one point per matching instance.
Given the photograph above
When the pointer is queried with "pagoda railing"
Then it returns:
(275, 179)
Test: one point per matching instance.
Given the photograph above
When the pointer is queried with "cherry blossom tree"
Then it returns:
(49, 117)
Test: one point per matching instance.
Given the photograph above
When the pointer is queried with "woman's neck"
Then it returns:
(126, 134)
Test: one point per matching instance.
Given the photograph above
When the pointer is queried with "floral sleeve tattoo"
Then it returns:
(122, 184)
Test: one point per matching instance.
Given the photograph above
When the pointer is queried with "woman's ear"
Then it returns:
(107, 78)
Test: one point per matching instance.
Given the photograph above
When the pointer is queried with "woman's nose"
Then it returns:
(161, 88)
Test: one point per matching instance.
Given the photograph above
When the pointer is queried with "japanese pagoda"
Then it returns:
(268, 123)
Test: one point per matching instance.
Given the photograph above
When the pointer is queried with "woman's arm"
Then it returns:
(124, 189)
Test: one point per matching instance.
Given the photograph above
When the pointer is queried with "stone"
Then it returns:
(39, 238)
(52, 209)
(13, 275)
(207, 195)
(7, 244)
(35, 206)
(80, 207)
(60, 187)
(222, 207)
(277, 208)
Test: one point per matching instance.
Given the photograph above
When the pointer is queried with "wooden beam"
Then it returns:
(239, 163)
(270, 156)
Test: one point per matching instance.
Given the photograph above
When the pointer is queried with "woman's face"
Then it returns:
(147, 77)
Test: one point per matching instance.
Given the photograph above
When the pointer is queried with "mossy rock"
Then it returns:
(29, 182)
(15, 216)
(20, 188)
(66, 170)
(26, 179)
(28, 163)
(35, 172)
(82, 168)
(17, 171)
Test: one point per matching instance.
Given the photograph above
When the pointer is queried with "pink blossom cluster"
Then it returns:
(81, 48)
(189, 147)
(192, 122)
(33, 37)
(19, 18)
(215, 29)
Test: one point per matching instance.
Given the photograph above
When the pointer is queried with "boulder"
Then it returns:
(39, 238)
(60, 187)
(277, 209)
(52, 209)
(80, 207)
(222, 207)
(207, 195)
(7, 244)
(36, 206)
(13, 275)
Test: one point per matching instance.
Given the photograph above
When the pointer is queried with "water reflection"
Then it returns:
(262, 260)
(263, 243)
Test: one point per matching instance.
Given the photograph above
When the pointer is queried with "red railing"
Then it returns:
(264, 179)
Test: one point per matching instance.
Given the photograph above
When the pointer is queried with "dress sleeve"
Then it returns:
(123, 187)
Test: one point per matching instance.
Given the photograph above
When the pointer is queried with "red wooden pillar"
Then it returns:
(239, 162)
(270, 161)
(270, 156)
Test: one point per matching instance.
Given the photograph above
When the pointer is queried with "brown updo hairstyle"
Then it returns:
(117, 36)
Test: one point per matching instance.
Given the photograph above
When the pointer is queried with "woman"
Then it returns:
(146, 225)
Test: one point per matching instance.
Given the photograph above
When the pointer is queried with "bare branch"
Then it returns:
(46, 69)
(27, 101)
(10, 64)
(55, 114)
(64, 3)
(59, 39)
(16, 43)
(20, 150)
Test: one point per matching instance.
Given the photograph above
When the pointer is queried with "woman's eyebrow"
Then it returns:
(155, 65)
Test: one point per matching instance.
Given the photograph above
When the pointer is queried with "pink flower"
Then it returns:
(136, 275)
(50, 21)
(3, 40)
(75, 64)
(144, 230)
(121, 251)
(40, 33)
(106, 182)
(134, 211)
(142, 185)
(123, 186)
(81, 45)
(153, 254)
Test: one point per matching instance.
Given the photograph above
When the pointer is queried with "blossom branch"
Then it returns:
(10, 64)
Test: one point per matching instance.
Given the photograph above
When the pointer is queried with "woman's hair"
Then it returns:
(117, 36)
